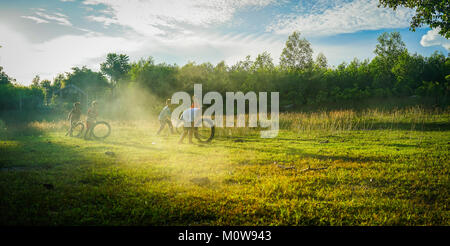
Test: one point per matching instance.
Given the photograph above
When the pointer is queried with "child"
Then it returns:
(73, 117)
(164, 118)
(189, 115)
(91, 118)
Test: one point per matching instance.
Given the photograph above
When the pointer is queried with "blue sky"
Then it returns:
(49, 37)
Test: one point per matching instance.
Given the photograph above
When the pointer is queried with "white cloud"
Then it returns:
(42, 17)
(434, 38)
(169, 31)
(23, 60)
(105, 20)
(35, 19)
(59, 54)
(151, 17)
(215, 48)
(60, 19)
(60, 14)
(342, 17)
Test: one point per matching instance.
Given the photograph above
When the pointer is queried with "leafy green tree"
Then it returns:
(57, 82)
(35, 81)
(244, 65)
(390, 46)
(93, 83)
(116, 67)
(297, 54)
(218, 78)
(408, 71)
(4, 78)
(436, 67)
(435, 90)
(240, 72)
(159, 79)
(55, 87)
(321, 61)
(263, 62)
(47, 88)
(8, 95)
(434, 13)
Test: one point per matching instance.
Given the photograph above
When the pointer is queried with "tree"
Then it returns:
(93, 83)
(390, 46)
(35, 81)
(244, 65)
(434, 13)
(4, 78)
(159, 79)
(434, 89)
(321, 61)
(297, 55)
(116, 67)
(263, 62)
(46, 86)
(57, 81)
(408, 71)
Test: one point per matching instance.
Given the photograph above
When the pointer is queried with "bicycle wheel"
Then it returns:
(205, 133)
(101, 130)
(77, 129)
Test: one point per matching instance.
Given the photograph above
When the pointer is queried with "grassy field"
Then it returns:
(327, 168)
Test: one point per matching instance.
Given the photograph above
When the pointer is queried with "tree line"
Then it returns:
(302, 80)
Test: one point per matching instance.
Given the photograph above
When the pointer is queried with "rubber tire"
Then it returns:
(81, 131)
(99, 123)
(211, 136)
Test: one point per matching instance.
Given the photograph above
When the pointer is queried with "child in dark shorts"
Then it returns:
(73, 117)
(91, 118)
(164, 118)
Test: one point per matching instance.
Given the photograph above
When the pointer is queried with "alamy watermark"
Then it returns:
(257, 115)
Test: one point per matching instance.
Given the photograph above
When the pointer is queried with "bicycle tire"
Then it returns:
(101, 123)
(211, 132)
(78, 124)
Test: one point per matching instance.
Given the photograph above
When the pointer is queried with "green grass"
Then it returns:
(391, 174)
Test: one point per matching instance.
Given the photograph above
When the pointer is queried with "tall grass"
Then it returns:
(413, 118)
(11, 131)
(370, 119)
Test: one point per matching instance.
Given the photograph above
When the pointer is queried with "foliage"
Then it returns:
(116, 67)
(94, 84)
(302, 83)
(13, 97)
(157, 78)
(434, 13)
(4, 78)
(321, 61)
(390, 46)
(297, 54)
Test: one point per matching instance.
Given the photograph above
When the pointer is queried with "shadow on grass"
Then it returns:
(45, 181)
(32, 175)
(133, 145)
(410, 126)
(302, 154)
(401, 145)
